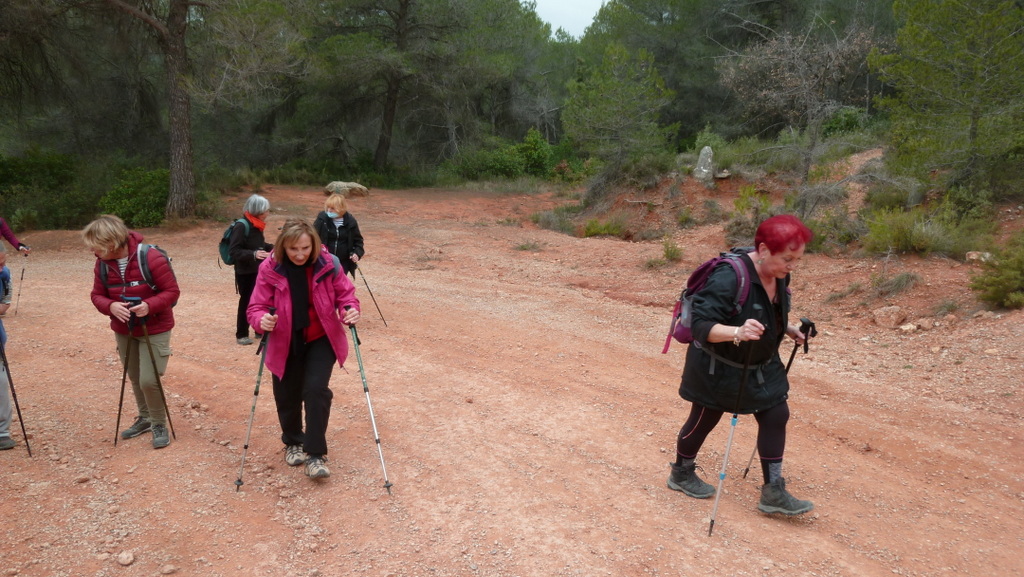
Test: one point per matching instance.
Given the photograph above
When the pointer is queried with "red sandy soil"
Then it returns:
(525, 411)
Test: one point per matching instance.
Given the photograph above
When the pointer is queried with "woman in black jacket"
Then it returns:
(339, 232)
(248, 248)
(725, 345)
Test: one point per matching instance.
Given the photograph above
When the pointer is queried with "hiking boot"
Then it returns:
(316, 468)
(684, 478)
(6, 443)
(141, 425)
(244, 341)
(160, 437)
(776, 499)
(294, 456)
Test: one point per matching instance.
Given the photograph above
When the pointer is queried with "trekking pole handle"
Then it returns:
(808, 329)
(263, 339)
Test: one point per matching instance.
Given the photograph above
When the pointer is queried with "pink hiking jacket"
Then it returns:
(331, 292)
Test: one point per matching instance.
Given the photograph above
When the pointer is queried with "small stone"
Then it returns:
(168, 569)
(82, 479)
(125, 558)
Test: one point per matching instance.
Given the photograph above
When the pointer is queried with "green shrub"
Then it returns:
(611, 227)
(886, 286)
(920, 231)
(886, 197)
(845, 120)
(559, 218)
(37, 169)
(139, 197)
(1001, 282)
(834, 231)
(671, 250)
(685, 218)
(708, 137)
(654, 263)
(536, 154)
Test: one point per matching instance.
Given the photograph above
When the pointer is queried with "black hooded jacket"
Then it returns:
(713, 371)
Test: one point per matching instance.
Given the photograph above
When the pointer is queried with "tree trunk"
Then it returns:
(181, 198)
(387, 123)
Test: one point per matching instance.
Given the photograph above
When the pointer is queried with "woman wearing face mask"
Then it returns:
(339, 232)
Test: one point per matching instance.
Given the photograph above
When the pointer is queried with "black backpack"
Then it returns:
(225, 241)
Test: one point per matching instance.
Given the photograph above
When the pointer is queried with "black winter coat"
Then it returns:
(715, 383)
(242, 247)
(343, 242)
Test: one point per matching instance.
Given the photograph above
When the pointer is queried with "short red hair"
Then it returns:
(782, 232)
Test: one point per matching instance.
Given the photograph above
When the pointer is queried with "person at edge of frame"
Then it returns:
(313, 300)
(117, 249)
(725, 346)
(6, 442)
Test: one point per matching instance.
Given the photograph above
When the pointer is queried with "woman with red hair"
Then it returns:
(733, 364)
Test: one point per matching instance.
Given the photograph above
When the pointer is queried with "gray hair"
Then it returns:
(256, 205)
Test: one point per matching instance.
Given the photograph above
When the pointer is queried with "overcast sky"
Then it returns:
(571, 15)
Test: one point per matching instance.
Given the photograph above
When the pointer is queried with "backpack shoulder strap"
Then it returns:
(735, 258)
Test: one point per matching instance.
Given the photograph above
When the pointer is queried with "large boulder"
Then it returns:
(347, 189)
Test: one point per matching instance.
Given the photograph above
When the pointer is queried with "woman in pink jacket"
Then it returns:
(313, 301)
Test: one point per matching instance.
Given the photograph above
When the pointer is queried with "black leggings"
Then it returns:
(244, 283)
(771, 432)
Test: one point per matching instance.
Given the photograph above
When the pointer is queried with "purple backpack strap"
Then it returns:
(742, 281)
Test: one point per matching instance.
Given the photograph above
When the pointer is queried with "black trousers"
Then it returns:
(245, 284)
(306, 381)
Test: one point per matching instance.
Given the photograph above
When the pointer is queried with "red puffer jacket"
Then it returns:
(161, 314)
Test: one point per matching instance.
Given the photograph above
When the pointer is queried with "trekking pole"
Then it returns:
(156, 373)
(808, 330)
(14, 395)
(371, 294)
(124, 376)
(21, 281)
(262, 351)
(366, 389)
(732, 430)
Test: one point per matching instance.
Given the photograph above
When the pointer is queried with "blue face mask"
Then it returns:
(332, 215)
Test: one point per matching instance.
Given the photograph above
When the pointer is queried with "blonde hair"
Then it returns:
(291, 232)
(106, 233)
(336, 203)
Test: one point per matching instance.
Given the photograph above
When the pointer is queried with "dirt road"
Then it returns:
(526, 417)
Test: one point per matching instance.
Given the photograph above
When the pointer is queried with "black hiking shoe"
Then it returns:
(776, 499)
(141, 425)
(160, 437)
(684, 478)
(6, 443)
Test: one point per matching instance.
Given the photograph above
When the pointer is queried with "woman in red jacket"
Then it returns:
(313, 301)
(122, 292)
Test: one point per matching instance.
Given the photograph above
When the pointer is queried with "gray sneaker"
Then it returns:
(160, 437)
(141, 425)
(684, 478)
(294, 456)
(6, 443)
(244, 341)
(776, 499)
(316, 468)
